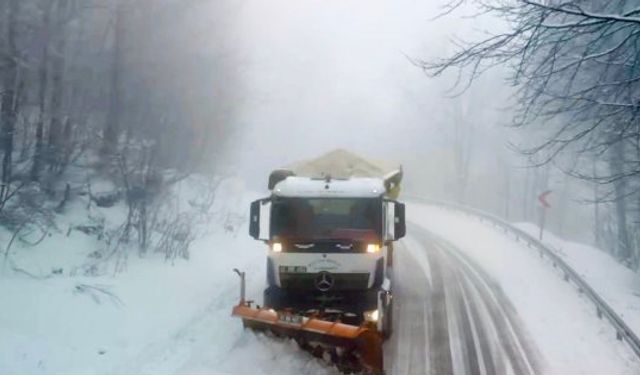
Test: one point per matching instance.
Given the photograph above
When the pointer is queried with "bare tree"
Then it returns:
(463, 126)
(9, 98)
(575, 65)
(112, 125)
(96, 89)
(58, 117)
(43, 71)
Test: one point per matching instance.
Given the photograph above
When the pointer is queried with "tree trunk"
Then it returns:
(562, 207)
(597, 230)
(461, 148)
(9, 98)
(57, 91)
(42, 92)
(507, 187)
(112, 125)
(616, 162)
(525, 195)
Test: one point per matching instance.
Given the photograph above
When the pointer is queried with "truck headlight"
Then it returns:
(373, 248)
(372, 316)
(276, 247)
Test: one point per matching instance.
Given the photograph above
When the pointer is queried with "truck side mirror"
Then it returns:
(394, 226)
(259, 218)
(254, 220)
(400, 228)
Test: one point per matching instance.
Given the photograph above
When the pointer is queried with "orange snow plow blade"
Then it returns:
(352, 348)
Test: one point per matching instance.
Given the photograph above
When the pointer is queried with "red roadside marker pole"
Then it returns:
(542, 198)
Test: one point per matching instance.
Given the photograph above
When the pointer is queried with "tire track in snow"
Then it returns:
(522, 356)
(440, 354)
(405, 350)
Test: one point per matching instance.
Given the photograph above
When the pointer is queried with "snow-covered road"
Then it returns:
(451, 317)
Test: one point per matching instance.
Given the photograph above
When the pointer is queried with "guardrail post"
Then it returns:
(619, 335)
(566, 276)
(599, 312)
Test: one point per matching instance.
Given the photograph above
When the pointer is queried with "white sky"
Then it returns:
(322, 74)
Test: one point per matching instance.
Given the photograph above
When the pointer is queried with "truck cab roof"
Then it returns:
(307, 187)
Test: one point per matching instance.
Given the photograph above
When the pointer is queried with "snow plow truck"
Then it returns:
(329, 224)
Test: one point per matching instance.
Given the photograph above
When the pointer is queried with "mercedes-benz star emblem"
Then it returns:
(324, 281)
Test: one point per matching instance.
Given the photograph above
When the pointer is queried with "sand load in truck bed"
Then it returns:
(341, 164)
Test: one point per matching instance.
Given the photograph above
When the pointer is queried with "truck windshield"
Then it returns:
(357, 219)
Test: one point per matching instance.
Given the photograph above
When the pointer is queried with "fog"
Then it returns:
(264, 84)
(319, 75)
(240, 87)
(313, 76)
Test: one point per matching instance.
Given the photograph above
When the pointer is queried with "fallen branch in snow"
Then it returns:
(17, 269)
(95, 291)
(43, 235)
(13, 238)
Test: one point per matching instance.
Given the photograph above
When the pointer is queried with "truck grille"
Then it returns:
(342, 281)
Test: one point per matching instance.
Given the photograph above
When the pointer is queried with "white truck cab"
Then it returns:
(329, 241)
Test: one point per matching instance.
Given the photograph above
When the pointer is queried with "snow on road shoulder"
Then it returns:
(563, 325)
(617, 284)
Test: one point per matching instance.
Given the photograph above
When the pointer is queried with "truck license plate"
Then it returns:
(293, 269)
(290, 318)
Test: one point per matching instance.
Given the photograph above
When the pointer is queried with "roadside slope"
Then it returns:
(156, 318)
(617, 284)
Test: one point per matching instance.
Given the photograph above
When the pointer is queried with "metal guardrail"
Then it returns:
(623, 332)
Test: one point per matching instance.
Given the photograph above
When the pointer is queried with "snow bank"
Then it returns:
(156, 318)
(563, 325)
(617, 284)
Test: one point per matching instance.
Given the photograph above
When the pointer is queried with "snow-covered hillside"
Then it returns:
(154, 318)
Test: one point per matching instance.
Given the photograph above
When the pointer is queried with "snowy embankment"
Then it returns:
(564, 326)
(154, 318)
(618, 285)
